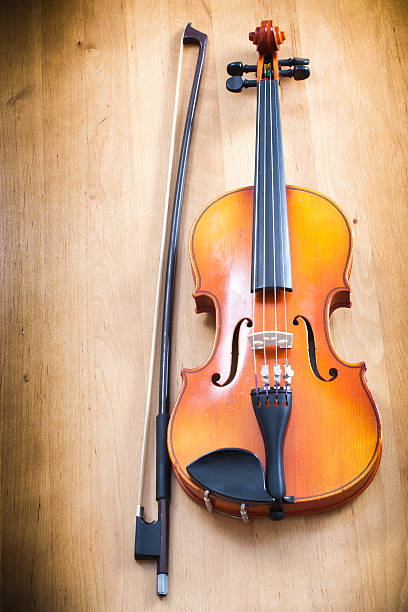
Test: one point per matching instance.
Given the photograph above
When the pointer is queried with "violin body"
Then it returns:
(333, 439)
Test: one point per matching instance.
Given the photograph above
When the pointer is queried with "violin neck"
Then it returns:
(271, 264)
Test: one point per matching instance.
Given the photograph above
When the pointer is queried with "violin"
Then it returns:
(274, 422)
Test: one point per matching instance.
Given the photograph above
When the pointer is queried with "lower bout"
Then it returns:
(301, 507)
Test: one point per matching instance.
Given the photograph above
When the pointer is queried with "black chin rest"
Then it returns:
(231, 473)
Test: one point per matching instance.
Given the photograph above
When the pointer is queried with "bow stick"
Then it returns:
(152, 539)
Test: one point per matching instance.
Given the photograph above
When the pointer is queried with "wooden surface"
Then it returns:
(87, 91)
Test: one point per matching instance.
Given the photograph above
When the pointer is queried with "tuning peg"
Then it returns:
(294, 61)
(238, 68)
(299, 73)
(235, 84)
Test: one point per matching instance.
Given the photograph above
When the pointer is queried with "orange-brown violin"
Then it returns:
(274, 422)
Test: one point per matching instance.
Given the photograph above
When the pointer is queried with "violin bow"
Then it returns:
(152, 539)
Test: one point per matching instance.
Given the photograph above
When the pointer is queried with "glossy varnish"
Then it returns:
(333, 442)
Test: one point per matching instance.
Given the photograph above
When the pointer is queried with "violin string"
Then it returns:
(282, 187)
(159, 280)
(273, 221)
(256, 224)
(264, 226)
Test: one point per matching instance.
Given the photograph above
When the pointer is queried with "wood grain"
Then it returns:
(87, 89)
(333, 439)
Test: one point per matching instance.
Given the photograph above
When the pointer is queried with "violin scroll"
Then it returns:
(267, 38)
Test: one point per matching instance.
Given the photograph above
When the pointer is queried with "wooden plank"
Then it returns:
(86, 101)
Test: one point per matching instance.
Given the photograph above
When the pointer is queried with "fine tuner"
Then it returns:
(235, 83)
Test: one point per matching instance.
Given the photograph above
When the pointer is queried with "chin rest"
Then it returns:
(234, 474)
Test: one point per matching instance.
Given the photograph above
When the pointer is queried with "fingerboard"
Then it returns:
(271, 264)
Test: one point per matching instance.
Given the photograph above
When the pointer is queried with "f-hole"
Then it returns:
(234, 356)
(312, 351)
